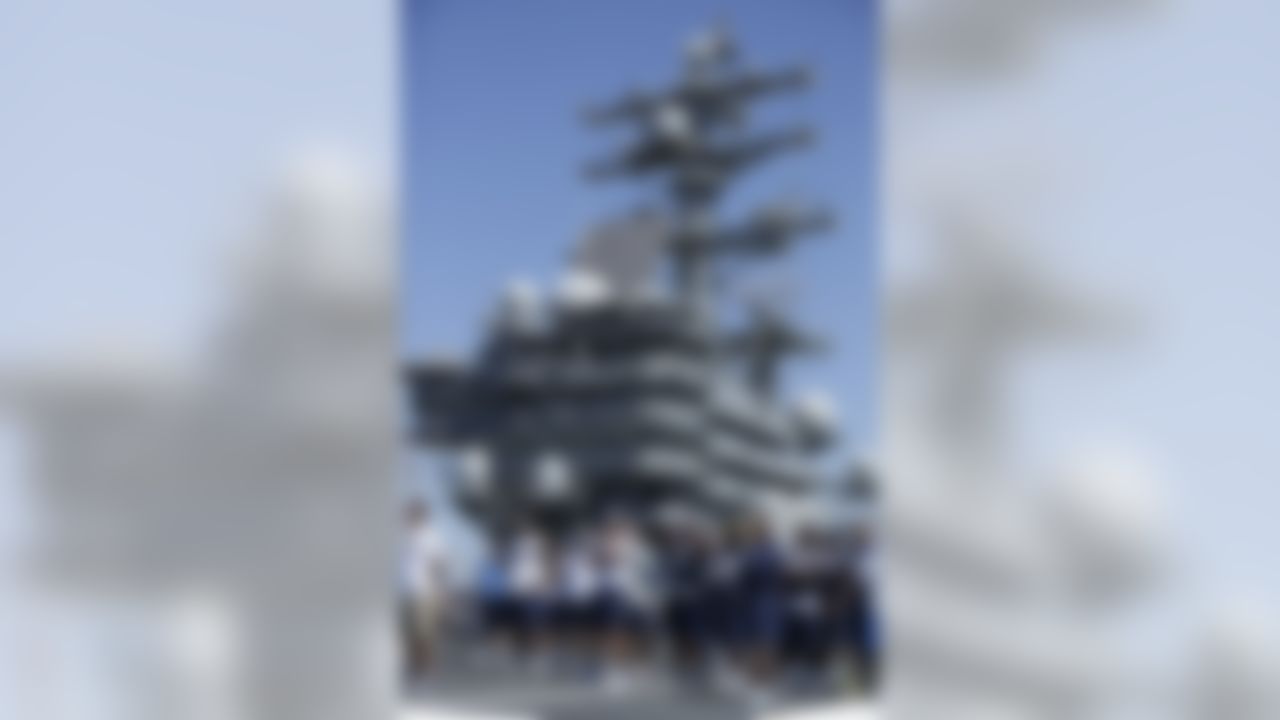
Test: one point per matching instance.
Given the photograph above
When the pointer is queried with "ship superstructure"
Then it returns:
(623, 389)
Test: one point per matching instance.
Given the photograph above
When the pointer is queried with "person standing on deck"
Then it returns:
(424, 578)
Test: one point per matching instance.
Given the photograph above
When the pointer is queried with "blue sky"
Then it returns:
(494, 147)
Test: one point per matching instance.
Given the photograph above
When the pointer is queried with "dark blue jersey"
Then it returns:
(762, 571)
(687, 574)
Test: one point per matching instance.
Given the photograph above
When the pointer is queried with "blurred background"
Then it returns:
(197, 358)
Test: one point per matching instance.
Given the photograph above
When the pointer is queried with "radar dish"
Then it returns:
(625, 252)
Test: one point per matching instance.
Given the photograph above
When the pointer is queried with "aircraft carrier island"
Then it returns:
(638, 383)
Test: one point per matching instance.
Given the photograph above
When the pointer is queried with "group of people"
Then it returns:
(725, 606)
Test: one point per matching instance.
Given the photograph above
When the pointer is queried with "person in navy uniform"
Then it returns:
(720, 596)
(811, 570)
(761, 597)
(686, 574)
(858, 616)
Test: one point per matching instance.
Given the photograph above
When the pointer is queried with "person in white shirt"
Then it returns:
(626, 599)
(531, 590)
(424, 581)
(577, 589)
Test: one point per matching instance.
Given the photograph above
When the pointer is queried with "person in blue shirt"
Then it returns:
(493, 594)
(686, 570)
(858, 610)
(761, 596)
(810, 567)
